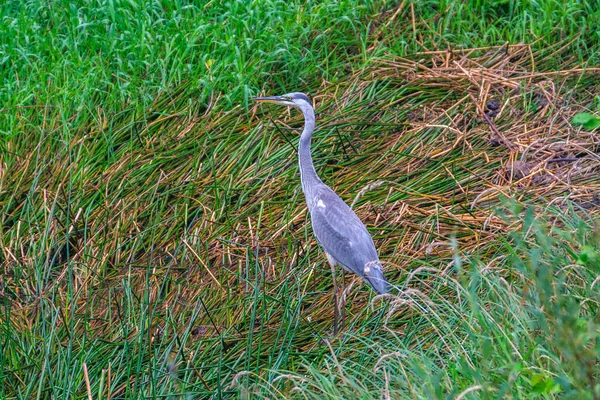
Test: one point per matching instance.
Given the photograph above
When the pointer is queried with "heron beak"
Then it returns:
(268, 99)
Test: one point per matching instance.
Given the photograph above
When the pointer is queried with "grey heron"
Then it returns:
(339, 231)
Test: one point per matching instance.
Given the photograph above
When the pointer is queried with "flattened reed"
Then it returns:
(181, 235)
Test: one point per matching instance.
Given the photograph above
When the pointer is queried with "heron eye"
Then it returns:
(288, 98)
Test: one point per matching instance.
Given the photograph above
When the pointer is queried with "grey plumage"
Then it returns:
(339, 231)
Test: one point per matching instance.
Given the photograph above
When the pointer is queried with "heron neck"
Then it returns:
(308, 174)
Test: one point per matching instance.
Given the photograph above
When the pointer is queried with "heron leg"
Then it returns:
(336, 311)
(342, 303)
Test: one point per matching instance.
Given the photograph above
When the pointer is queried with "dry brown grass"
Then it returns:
(198, 210)
(430, 154)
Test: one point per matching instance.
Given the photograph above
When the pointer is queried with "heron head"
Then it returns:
(295, 99)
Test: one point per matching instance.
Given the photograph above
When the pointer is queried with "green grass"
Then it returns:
(531, 338)
(153, 231)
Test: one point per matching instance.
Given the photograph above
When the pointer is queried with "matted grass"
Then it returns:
(155, 240)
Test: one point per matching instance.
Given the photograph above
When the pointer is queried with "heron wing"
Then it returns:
(343, 235)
